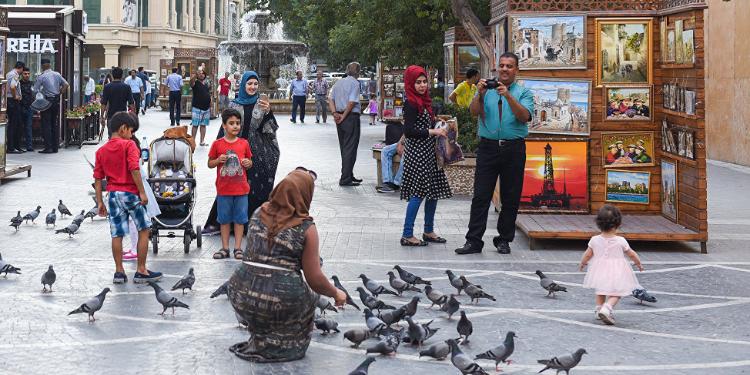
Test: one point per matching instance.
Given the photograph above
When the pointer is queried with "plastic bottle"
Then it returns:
(144, 150)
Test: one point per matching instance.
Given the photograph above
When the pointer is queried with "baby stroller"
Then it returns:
(171, 176)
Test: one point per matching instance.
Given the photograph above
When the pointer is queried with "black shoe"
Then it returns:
(357, 180)
(293, 121)
(385, 189)
(317, 122)
(20, 150)
(14, 152)
(393, 186)
(29, 150)
(350, 183)
(502, 246)
(468, 248)
(46, 151)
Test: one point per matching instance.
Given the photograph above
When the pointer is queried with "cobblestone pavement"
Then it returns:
(698, 326)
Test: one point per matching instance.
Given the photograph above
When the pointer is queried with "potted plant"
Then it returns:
(461, 175)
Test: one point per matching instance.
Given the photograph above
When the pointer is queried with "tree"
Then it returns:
(462, 10)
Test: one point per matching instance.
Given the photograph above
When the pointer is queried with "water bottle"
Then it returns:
(144, 150)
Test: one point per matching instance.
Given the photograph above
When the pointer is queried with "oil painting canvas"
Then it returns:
(549, 41)
(556, 176)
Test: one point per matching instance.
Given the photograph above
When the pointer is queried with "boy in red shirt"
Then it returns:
(118, 162)
(232, 156)
(224, 86)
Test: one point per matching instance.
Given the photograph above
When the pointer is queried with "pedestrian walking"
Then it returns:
(201, 105)
(320, 88)
(136, 90)
(344, 104)
(88, 89)
(27, 114)
(52, 85)
(13, 109)
(225, 85)
(174, 83)
(146, 89)
(298, 96)
(372, 109)
(116, 96)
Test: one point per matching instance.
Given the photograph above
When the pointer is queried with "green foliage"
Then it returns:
(98, 89)
(467, 127)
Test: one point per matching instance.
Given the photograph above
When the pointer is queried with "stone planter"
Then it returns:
(461, 176)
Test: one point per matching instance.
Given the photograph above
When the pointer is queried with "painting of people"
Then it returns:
(627, 149)
(628, 103)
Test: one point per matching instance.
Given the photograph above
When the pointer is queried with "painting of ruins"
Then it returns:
(623, 47)
(549, 41)
(560, 106)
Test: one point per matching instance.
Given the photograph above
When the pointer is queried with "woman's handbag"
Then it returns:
(448, 151)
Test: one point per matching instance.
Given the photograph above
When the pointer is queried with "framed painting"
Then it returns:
(627, 149)
(549, 41)
(628, 186)
(688, 48)
(671, 48)
(468, 57)
(663, 39)
(623, 48)
(669, 189)
(556, 176)
(561, 106)
(679, 58)
(627, 103)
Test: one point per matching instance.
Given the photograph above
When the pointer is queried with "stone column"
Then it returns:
(196, 16)
(173, 14)
(111, 55)
(185, 17)
(189, 20)
(211, 20)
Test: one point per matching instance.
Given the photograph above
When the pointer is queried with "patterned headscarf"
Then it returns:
(244, 98)
(289, 203)
(422, 101)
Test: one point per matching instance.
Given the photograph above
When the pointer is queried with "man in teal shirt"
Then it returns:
(503, 116)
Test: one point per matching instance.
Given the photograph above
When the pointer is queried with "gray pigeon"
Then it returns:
(642, 295)
(166, 299)
(6, 268)
(475, 291)
(78, 219)
(371, 302)
(16, 221)
(400, 285)
(435, 296)
(327, 325)
(324, 304)
(92, 213)
(51, 218)
(451, 306)
(374, 324)
(549, 285)
(375, 288)
(464, 328)
(563, 363)
(411, 306)
(385, 346)
(223, 289)
(92, 306)
(393, 316)
(501, 352)
(186, 282)
(71, 229)
(63, 209)
(455, 281)
(438, 351)
(349, 300)
(363, 367)
(32, 215)
(357, 336)
(463, 362)
(48, 278)
(419, 333)
(410, 277)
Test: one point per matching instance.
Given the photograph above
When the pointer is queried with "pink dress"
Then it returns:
(609, 271)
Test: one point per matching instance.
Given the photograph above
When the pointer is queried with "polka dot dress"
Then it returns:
(422, 177)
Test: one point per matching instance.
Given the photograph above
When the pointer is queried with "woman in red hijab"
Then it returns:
(422, 179)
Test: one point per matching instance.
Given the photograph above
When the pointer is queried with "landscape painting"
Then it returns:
(468, 57)
(669, 189)
(560, 106)
(549, 41)
(628, 187)
(556, 176)
(623, 48)
(688, 48)
(628, 103)
(627, 149)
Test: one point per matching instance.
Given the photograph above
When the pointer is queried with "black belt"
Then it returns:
(503, 141)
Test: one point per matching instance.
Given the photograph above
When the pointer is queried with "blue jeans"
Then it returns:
(27, 115)
(411, 214)
(87, 99)
(386, 163)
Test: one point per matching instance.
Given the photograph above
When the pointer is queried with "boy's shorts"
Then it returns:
(231, 209)
(200, 117)
(123, 205)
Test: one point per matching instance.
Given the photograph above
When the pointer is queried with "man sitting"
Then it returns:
(391, 183)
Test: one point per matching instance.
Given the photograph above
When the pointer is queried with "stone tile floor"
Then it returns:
(698, 326)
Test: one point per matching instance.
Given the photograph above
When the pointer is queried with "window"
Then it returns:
(202, 13)
(144, 12)
(49, 2)
(178, 9)
(218, 20)
(93, 9)
(8, 2)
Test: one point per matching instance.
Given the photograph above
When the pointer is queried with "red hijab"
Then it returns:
(423, 101)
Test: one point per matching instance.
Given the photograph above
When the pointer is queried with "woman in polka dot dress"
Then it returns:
(422, 179)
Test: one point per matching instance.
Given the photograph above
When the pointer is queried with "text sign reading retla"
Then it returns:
(32, 44)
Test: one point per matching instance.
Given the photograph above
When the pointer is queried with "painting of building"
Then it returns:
(669, 189)
(628, 187)
(560, 106)
(623, 48)
(549, 42)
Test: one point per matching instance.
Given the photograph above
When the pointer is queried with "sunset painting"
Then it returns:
(564, 188)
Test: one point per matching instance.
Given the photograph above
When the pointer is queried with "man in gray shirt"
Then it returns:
(344, 104)
(51, 84)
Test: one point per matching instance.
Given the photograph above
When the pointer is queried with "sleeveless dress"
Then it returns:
(278, 306)
(609, 271)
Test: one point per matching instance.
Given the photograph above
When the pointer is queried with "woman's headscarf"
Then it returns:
(423, 101)
(289, 203)
(243, 97)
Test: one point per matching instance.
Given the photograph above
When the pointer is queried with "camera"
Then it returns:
(491, 83)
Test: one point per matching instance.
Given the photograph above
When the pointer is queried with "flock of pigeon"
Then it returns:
(51, 218)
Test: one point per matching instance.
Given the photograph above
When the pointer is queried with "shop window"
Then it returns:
(93, 10)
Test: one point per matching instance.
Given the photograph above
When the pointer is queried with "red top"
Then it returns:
(115, 161)
(225, 85)
(231, 178)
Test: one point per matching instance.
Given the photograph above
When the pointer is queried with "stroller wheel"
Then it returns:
(198, 236)
(187, 238)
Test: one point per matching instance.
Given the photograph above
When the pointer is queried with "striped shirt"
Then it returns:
(50, 83)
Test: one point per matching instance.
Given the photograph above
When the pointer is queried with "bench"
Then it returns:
(396, 162)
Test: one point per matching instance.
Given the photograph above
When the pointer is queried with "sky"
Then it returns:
(545, 23)
(634, 178)
(569, 159)
(579, 91)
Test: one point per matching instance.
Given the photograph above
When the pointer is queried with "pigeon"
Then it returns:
(63, 209)
(388, 345)
(463, 362)
(549, 285)
(324, 304)
(327, 325)
(166, 299)
(400, 285)
(32, 215)
(71, 229)
(78, 219)
(375, 288)
(411, 306)
(357, 336)
(223, 289)
(455, 281)
(51, 218)
(435, 296)
(92, 306)
(363, 367)
(563, 363)
(371, 302)
(501, 352)
(438, 351)
(6, 268)
(393, 316)
(374, 324)
(642, 295)
(419, 333)
(16, 221)
(48, 278)
(349, 300)
(92, 213)
(15, 224)
(410, 277)
(475, 291)
(451, 306)
(186, 282)
(464, 328)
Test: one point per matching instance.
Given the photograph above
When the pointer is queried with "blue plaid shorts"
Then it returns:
(123, 205)
(200, 117)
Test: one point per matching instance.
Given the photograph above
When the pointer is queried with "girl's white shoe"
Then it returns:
(605, 315)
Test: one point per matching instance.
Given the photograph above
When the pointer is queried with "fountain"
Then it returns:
(264, 48)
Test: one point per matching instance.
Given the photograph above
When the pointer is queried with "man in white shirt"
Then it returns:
(136, 88)
(88, 91)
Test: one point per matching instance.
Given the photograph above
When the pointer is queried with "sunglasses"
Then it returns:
(311, 172)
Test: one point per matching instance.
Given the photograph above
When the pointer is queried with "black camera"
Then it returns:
(491, 84)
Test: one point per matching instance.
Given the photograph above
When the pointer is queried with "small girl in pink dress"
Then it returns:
(609, 273)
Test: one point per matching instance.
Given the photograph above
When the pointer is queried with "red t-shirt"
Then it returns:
(115, 161)
(225, 85)
(231, 177)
